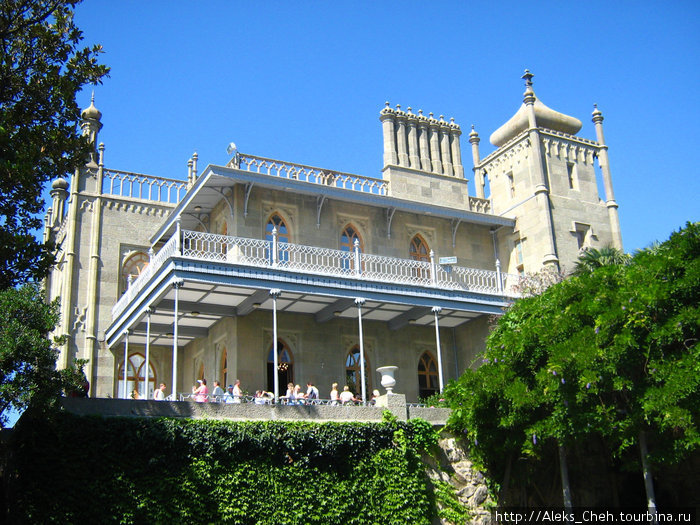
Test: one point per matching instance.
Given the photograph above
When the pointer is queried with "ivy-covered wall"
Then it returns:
(78, 469)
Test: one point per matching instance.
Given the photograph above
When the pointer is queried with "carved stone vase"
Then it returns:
(388, 380)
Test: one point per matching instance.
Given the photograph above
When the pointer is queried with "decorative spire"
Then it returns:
(529, 95)
(528, 78)
(474, 136)
(597, 115)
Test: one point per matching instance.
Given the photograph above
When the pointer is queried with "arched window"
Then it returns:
(427, 376)
(276, 221)
(347, 244)
(136, 377)
(419, 251)
(133, 267)
(352, 372)
(224, 366)
(285, 367)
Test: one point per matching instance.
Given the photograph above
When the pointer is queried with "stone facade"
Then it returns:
(199, 278)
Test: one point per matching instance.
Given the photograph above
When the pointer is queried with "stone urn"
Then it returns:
(388, 381)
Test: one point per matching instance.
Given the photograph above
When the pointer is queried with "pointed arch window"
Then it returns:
(347, 244)
(352, 371)
(136, 377)
(419, 251)
(276, 221)
(427, 375)
(224, 366)
(132, 268)
(285, 366)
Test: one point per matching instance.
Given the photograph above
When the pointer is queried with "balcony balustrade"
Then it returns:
(324, 262)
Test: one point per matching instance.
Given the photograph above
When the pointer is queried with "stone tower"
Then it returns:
(544, 176)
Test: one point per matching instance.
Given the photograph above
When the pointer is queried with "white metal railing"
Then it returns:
(288, 170)
(319, 261)
(168, 250)
(146, 187)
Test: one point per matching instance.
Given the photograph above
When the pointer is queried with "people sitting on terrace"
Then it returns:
(346, 396)
(299, 396)
(334, 394)
(218, 391)
(237, 392)
(311, 392)
(159, 394)
(262, 397)
(135, 394)
(289, 398)
(201, 392)
(373, 399)
(228, 395)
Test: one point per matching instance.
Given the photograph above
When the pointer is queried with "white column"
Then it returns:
(178, 237)
(126, 364)
(356, 244)
(359, 302)
(176, 285)
(456, 149)
(148, 350)
(401, 137)
(436, 311)
(388, 128)
(604, 163)
(275, 293)
(423, 142)
(274, 246)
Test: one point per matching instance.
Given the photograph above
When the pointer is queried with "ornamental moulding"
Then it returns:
(134, 207)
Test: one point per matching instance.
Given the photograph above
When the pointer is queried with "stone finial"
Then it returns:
(474, 136)
(386, 110)
(597, 115)
(528, 78)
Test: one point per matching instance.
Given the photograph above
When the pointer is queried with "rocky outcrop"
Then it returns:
(452, 465)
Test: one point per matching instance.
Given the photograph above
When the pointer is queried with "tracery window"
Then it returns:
(347, 244)
(419, 250)
(427, 376)
(276, 221)
(133, 267)
(352, 372)
(285, 367)
(136, 377)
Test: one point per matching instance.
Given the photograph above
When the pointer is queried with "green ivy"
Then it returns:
(72, 469)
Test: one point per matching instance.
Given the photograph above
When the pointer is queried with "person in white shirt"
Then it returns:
(159, 394)
(311, 391)
(218, 391)
(237, 392)
(346, 396)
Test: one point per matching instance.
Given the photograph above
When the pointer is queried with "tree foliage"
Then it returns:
(41, 70)
(610, 353)
(27, 356)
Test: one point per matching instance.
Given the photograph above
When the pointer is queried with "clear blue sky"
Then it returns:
(305, 81)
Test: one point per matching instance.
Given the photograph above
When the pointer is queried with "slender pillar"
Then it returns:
(358, 269)
(148, 350)
(434, 144)
(275, 247)
(126, 364)
(401, 136)
(274, 294)
(456, 149)
(178, 236)
(607, 180)
(478, 173)
(436, 311)
(537, 170)
(445, 147)
(359, 302)
(413, 158)
(387, 118)
(423, 141)
(176, 286)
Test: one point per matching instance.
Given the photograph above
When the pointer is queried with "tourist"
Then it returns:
(228, 395)
(237, 392)
(347, 397)
(218, 391)
(334, 394)
(299, 396)
(159, 394)
(375, 395)
(201, 393)
(135, 394)
(289, 396)
(311, 391)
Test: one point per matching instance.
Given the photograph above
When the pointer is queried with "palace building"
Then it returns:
(273, 272)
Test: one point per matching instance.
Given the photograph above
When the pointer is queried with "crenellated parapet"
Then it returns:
(421, 143)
